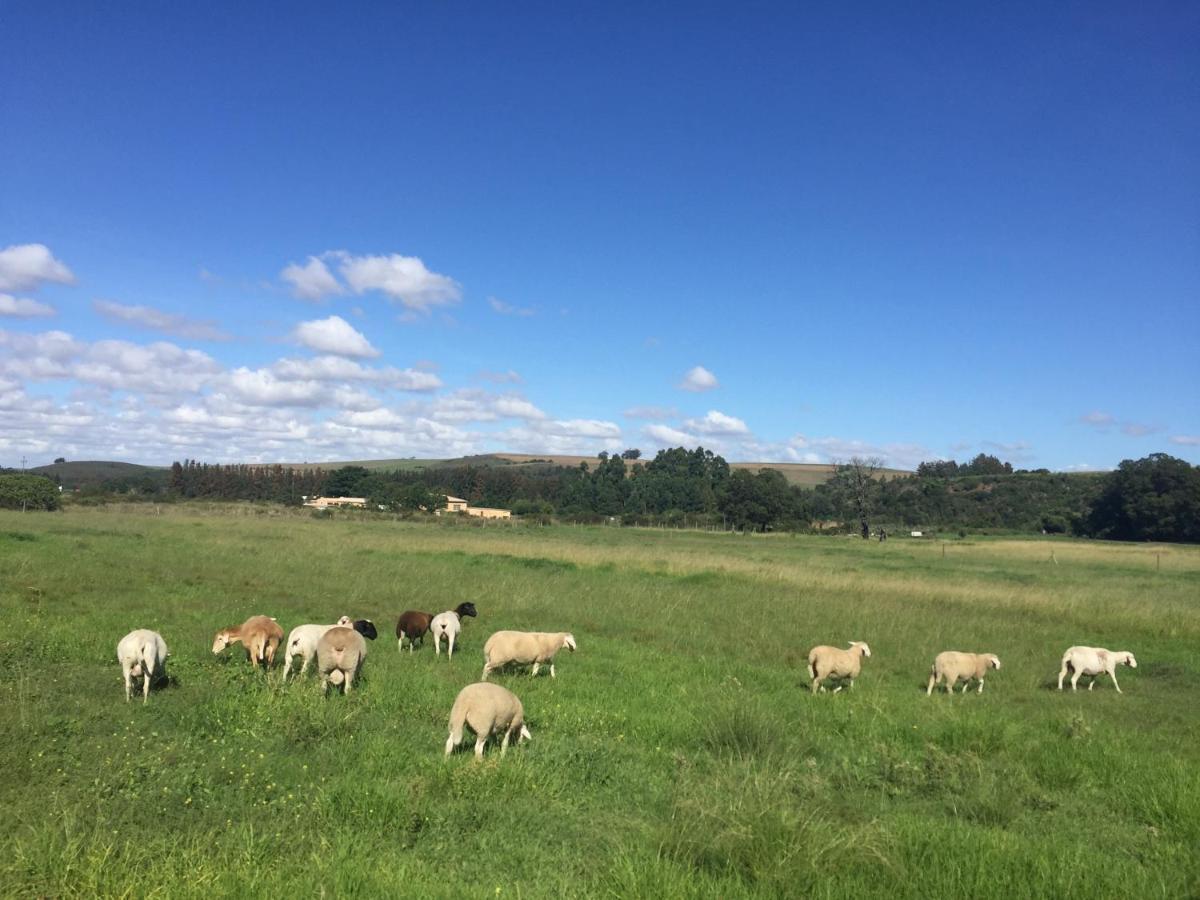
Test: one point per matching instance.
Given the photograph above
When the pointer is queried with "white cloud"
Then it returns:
(654, 413)
(333, 335)
(157, 320)
(563, 437)
(826, 450)
(311, 281)
(403, 278)
(1097, 419)
(336, 368)
(158, 368)
(1140, 429)
(717, 423)
(26, 266)
(1186, 440)
(23, 308)
(698, 379)
(259, 387)
(509, 377)
(474, 405)
(670, 437)
(507, 309)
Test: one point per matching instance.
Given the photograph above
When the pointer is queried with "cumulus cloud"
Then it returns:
(404, 279)
(311, 281)
(23, 308)
(157, 320)
(670, 437)
(698, 379)
(333, 335)
(900, 455)
(563, 437)
(507, 309)
(717, 423)
(26, 266)
(474, 405)
(154, 369)
(337, 368)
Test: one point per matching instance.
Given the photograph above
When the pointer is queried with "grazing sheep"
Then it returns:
(142, 654)
(449, 625)
(524, 647)
(951, 665)
(365, 627)
(486, 709)
(340, 655)
(833, 662)
(412, 625)
(260, 635)
(1094, 661)
(302, 642)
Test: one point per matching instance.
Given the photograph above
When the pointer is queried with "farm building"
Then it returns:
(459, 505)
(327, 502)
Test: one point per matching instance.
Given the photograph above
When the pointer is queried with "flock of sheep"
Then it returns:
(490, 710)
(340, 650)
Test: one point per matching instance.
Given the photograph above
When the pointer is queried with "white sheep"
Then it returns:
(486, 709)
(302, 641)
(524, 647)
(340, 655)
(833, 662)
(951, 665)
(1094, 661)
(142, 654)
(449, 624)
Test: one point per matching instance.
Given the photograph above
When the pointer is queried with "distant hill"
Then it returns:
(86, 473)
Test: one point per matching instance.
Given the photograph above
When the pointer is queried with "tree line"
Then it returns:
(1154, 498)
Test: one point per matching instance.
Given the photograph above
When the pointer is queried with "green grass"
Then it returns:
(678, 753)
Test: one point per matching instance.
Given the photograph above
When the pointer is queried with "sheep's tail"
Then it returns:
(147, 656)
(336, 677)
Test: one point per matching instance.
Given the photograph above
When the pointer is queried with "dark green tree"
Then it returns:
(1152, 499)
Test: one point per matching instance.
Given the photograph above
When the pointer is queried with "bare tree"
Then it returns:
(860, 476)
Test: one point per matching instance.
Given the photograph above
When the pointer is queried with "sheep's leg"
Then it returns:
(504, 743)
(486, 669)
(851, 684)
(535, 667)
(348, 682)
(1075, 681)
(552, 670)
(480, 740)
(324, 685)
(437, 644)
(1092, 683)
(1062, 673)
(128, 683)
(929, 687)
(980, 691)
(816, 683)
(450, 648)
(450, 744)
(1113, 676)
(145, 685)
(966, 684)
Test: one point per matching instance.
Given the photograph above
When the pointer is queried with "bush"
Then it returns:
(28, 492)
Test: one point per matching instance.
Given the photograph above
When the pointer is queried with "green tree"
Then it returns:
(28, 492)
(1152, 499)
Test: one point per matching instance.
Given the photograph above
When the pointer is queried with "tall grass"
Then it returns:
(677, 753)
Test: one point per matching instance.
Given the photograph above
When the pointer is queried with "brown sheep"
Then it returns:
(259, 634)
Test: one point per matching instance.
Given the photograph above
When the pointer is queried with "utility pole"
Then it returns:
(23, 463)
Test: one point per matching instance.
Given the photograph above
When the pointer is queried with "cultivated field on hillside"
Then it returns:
(677, 753)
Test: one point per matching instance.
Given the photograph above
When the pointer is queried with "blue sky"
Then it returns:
(290, 232)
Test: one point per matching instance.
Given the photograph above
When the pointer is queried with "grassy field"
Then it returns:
(677, 754)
